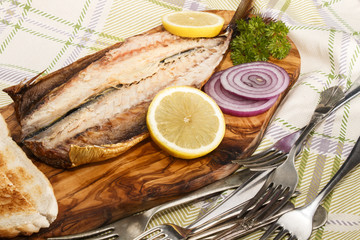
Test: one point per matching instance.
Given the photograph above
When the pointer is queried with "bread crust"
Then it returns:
(27, 200)
(18, 214)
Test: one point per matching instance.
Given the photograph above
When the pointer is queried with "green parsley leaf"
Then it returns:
(258, 41)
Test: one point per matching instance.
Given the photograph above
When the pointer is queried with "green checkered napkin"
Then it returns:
(37, 35)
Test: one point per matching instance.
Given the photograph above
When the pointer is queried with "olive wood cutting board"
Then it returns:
(96, 194)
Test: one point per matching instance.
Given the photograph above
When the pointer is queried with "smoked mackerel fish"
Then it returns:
(95, 108)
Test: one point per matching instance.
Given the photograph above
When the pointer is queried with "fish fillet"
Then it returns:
(99, 112)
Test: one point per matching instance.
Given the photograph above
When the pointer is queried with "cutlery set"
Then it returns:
(278, 183)
(260, 197)
(298, 223)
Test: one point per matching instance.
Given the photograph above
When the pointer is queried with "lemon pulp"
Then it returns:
(185, 122)
(193, 24)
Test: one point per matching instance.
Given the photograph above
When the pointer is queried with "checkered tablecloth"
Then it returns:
(37, 35)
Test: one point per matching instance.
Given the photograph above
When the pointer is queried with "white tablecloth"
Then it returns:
(37, 35)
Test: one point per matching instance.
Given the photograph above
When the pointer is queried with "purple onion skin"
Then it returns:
(256, 80)
(233, 104)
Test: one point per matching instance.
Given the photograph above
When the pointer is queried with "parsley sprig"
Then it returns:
(257, 41)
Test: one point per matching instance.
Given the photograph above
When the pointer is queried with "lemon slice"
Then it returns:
(185, 122)
(193, 24)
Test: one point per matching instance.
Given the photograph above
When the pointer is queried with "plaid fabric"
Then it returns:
(38, 35)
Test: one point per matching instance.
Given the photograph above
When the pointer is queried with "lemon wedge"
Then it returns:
(193, 24)
(185, 122)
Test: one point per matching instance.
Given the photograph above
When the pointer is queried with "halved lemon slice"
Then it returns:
(193, 24)
(185, 122)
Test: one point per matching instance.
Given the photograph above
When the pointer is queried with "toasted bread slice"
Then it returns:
(17, 214)
(33, 204)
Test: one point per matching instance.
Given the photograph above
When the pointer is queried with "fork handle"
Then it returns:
(351, 93)
(241, 12)
(319, 116)
(350, 163)
(232, 181)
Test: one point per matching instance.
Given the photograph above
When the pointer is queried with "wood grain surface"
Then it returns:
(97, 194)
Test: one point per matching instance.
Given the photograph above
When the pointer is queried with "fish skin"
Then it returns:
(115, 112)
(128, 125)
(29, 94)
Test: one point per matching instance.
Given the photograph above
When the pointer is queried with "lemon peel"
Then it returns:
(193, 24)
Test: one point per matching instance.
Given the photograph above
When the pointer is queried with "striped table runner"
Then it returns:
(37, 35)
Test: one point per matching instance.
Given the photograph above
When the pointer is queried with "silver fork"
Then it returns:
(221, 223)
(234, 229)
(236, 199)
(282, 180)
(272, 156)
(222, 211)
(175, 232)
(298, 223)
(277, 153)
(167, 231)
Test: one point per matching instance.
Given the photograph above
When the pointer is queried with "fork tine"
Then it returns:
(283, 232)
(283, 146)
(253, 200)
(149, 232)
(266, 162)
(278, 193)
(89, 234)
(268, 157)
(275, 205)
(262, 200)
(272, 202)
(105, 237)
(265, 204)
(265, 167)
(269, 231)
(156, 236)
(255, 157)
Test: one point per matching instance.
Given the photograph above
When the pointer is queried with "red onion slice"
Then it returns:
(233, 104)
(255, 80)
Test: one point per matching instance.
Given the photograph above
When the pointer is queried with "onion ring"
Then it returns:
(233, 104)
(255, 80)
